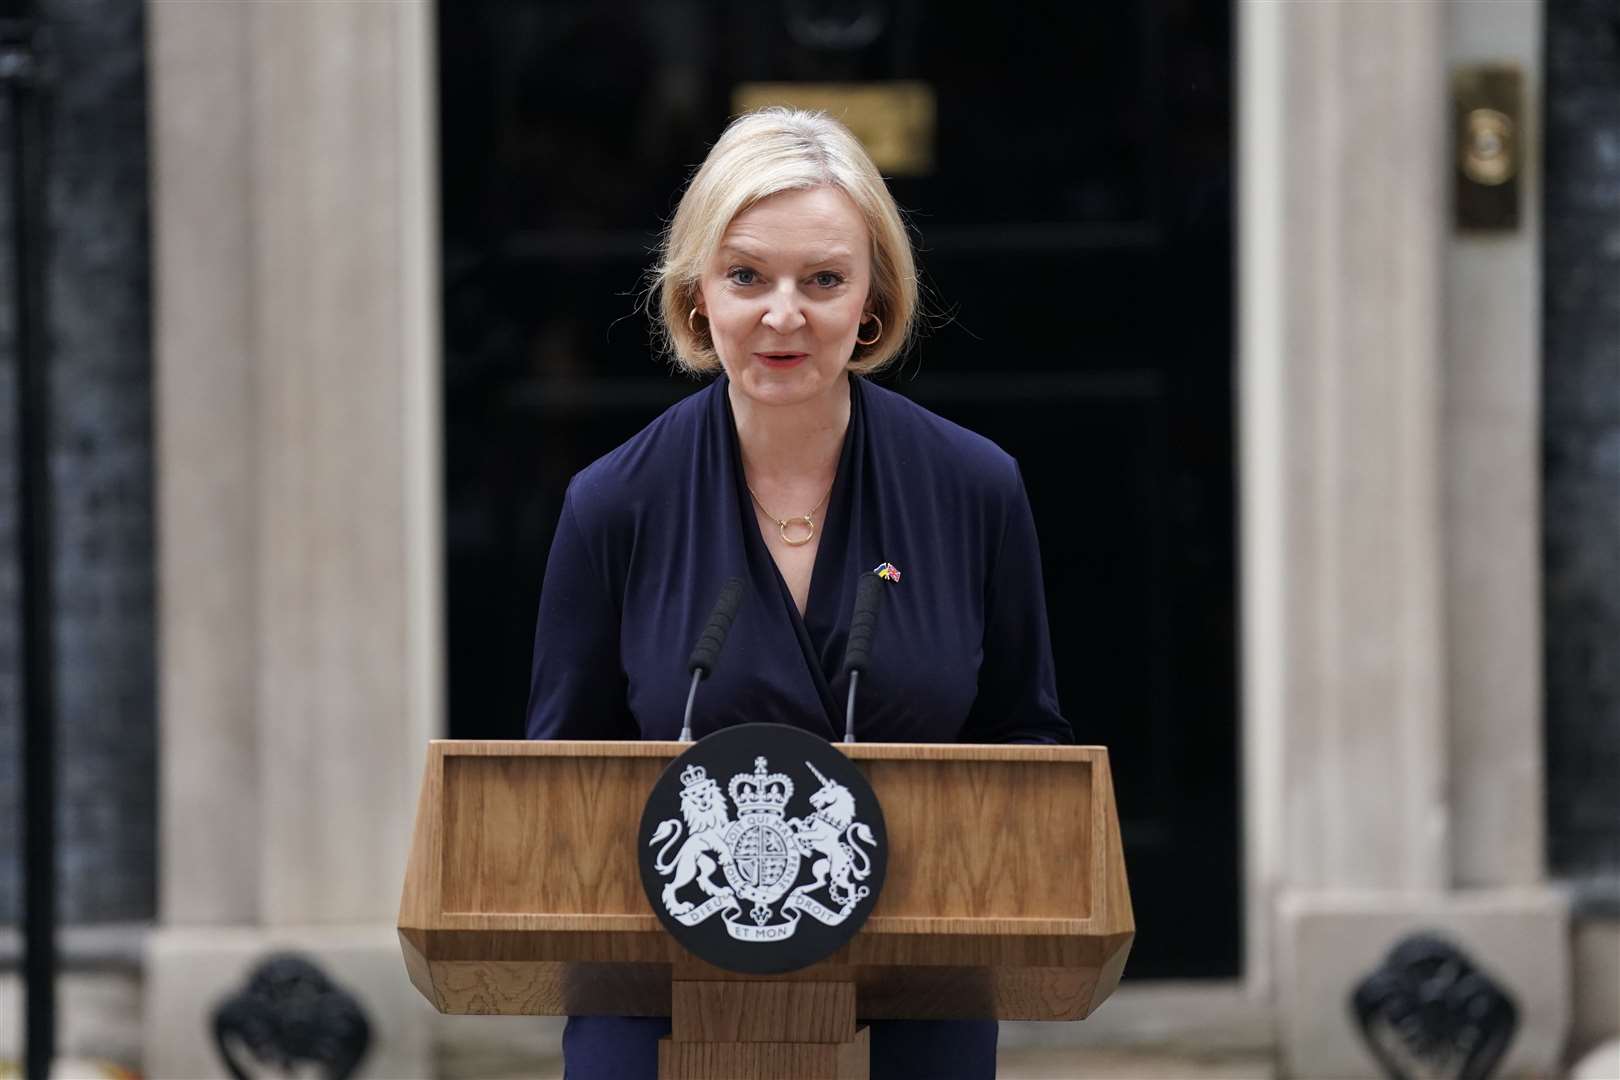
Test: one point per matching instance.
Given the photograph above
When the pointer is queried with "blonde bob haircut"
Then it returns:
(758, 155)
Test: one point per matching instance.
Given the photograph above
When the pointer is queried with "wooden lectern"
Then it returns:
(1005, 898)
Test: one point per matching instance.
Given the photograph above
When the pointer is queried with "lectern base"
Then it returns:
(763, 1031)
(765, 1060)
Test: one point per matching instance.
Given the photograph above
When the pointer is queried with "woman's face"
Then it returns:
(786, 292)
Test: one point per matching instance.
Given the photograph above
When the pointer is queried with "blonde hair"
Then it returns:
(761, 154)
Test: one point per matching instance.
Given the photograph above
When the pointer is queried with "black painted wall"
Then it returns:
(1581, 441)
(101, 462)
(1075, 240)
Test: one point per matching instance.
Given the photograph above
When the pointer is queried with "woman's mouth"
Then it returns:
(780, 359)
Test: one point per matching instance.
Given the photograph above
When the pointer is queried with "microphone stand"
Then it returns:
(858, 649)
(849, 708)
(707, 650)
(691, 696)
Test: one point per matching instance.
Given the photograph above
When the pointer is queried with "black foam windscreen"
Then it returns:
(863, 622)
(713, 638)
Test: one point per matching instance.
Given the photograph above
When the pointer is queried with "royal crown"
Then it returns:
(761, 793)
(694, 776)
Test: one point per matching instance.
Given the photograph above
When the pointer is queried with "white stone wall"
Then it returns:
(297, 377)
(1389, 377)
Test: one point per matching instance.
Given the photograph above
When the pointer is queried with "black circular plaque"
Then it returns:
(762, 848)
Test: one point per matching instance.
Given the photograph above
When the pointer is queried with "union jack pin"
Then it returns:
(887, 571)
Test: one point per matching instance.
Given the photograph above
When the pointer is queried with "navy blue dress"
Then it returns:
(648, 536)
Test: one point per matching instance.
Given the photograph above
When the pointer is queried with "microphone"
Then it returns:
(709, 643)
(858, 651)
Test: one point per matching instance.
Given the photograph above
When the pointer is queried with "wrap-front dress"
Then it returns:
(650, 533)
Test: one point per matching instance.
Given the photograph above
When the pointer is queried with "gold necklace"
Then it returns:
(782, 524)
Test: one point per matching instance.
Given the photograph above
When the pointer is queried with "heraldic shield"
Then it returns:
(762, 848)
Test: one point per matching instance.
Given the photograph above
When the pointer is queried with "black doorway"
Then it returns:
(1076, 232)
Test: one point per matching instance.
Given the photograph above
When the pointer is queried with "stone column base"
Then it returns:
(190, 970)
(1329, 941)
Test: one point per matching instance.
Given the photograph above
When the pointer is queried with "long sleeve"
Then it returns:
(577, 682)
(1017, 696)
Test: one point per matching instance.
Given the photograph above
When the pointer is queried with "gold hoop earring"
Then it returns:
(876, 336)
(689, 326)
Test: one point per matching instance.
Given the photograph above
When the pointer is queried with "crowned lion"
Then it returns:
(704, 808)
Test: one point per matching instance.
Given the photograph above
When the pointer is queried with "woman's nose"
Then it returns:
(783, 313)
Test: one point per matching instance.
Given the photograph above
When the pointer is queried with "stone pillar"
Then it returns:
(1392, 725)
(1492, 448)
(298, 450)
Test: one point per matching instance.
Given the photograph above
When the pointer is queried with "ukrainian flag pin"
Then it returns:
(887, 571)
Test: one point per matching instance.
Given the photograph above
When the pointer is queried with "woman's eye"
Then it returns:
(827, 279)
(742, 275)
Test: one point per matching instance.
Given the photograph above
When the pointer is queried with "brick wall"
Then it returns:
(101, 462)
(1581, 440)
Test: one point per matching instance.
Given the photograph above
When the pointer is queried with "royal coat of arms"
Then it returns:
(761, 870)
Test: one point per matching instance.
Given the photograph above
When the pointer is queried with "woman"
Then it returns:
(787, 273)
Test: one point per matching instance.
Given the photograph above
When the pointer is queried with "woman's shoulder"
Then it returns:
(926, 439)
(644, 466)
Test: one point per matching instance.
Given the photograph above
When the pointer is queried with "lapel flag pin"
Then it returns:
(887, 571)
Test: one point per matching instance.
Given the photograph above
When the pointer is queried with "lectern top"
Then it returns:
(1005, 879)
(874, 751)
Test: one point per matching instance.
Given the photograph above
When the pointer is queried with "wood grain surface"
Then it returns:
(1006, 893)
(713, 1011)
(765, 1061)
